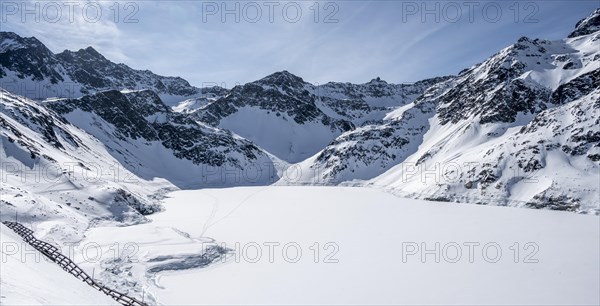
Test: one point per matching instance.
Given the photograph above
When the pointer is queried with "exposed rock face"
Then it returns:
(280, 92)
(576, 88)
(587, 25)
(493, 92)
(142, 115)
(28, 57)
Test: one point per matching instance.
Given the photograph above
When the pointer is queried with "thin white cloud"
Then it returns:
(73, 29)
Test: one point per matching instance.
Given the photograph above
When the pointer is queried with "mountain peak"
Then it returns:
(9, 35)
(90, 51)
(12, 41)
(87, 52)
(283, 73)
(377, 80)
(587, 25)
(282, 78)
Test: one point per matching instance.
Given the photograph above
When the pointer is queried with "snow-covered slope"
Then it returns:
(483, 136)
(61, 177)
(30, 69)
(551, 162)
(108, 157)
(29, 278)
(208, 95)
(371, 149)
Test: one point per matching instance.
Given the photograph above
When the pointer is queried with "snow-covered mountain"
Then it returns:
(520, 129)
(294, 119)
(550, 162)
(28, 68)
(371, 149)
(279, 113)
(108, 157)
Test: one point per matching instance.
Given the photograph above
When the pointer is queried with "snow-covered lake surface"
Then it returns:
(358, 246)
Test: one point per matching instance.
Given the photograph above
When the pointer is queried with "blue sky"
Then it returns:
(361, 40)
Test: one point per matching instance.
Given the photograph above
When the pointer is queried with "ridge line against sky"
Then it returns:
(343, 41)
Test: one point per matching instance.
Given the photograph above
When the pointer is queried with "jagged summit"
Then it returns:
(91, 52)
(86, 54)
(377, 80)
(282, 78)
(587, 25)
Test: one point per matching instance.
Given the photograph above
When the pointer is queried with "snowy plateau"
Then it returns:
(481, 188)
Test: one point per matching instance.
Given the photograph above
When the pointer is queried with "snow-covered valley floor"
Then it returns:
(358, 246)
